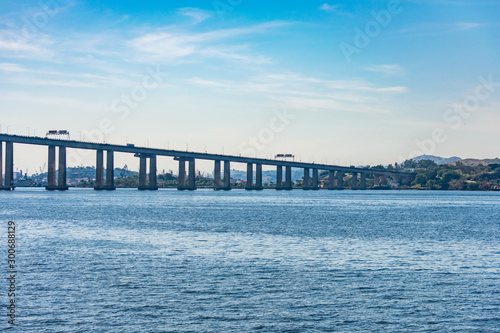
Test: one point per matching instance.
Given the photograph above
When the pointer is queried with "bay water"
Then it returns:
(248, 261)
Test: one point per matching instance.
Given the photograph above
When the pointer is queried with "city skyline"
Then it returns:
(349, 82)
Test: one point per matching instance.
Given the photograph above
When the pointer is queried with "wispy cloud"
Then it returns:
(389, 70)
(14, 45)
(10, 67)
(168, 45)
(328, 8)
(309, 93)
(28, 76)
(334, 9)
(201, 82)
(196, 14)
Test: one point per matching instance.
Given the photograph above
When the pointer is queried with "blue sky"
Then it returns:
(225, 71)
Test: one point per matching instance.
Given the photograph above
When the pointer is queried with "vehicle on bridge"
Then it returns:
(284, 157)
(57, 132)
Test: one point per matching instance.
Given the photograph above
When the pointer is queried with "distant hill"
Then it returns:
(475, 162)
(437, 159)
(89, 172)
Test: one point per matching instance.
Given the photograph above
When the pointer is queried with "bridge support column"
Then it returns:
(217, 185)
(315, 180)
(227, 176)
(258, 177)
(340, 180)
(110, 171)
(192, 175)
(305, 182)
(181, 179)
(51, 176)
(362, 182)
(142, 172)
(145, 183)
(51, 169)
(99, 171)
(182, 174)
(384, 180)
(249, 184)
(62, 169)
(153, 185)
(288, 178)
(376, 180)
(9, 166)
(331, 180)
(279, 177)
(354, 181)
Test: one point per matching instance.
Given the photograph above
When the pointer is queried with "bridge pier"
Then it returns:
(376, 180)
(279, 177)
(384, 180)
(227, 176)
(340, 180)
(153, 185)
(217, 184)
(191, 175)
(354, 181)
(315, 179)
(305, 180)
(8, 185)
(62, 169)
(288, 178)
(191, 179)
(51, 169)
(145, 183)
(99, 170)
(110, 171)
(258, 177)
(331, 179)
(60, 185)
(362, 182)
(142, 172)
(249, 184)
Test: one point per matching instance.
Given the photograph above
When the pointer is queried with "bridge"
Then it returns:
(221, 179)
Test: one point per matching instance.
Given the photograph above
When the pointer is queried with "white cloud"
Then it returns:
(308, 93)
(328, 8)
(388, 69)
(9, 67)
(201, 82)
(167, 45)
(198, 15)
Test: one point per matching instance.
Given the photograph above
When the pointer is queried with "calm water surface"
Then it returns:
(269, 261)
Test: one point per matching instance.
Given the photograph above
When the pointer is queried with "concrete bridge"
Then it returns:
(221, 179)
